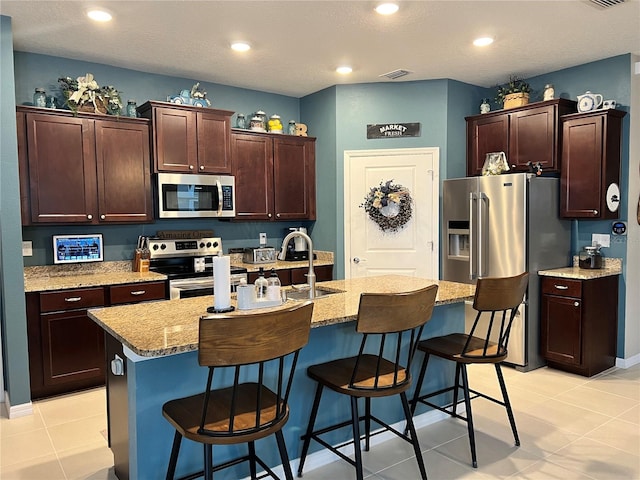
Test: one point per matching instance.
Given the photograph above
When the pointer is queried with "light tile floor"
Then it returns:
(570, 427)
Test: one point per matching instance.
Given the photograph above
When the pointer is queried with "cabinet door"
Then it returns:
(581, 177)
(294, 178)
(486, 135)
(324, 273)
(175, 140)
(73, 348)
(123, 171)
(214, 144)
(561, 329)
(62, 169)
(532, 138)
(253, 169)
(23, 169)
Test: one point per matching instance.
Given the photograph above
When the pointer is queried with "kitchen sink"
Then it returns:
(321, 292)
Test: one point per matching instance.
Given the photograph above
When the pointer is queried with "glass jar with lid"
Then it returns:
(275, 124)
(292, 127)
(590, 257)
(132, 109)
(40, 98)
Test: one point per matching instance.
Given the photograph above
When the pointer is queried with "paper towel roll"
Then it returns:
(221, 282)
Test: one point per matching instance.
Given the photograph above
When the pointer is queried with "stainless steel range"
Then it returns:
(188, 265)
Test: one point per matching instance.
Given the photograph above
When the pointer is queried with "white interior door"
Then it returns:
(413, 250)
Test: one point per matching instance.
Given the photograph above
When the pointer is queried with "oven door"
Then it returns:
(190, 287)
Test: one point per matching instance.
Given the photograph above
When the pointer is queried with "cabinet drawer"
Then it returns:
(137, 292)
(72, 299)
(562, 286)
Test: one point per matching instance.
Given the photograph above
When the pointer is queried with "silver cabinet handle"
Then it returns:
(201, 167)
(576, 304)
(190, 167)
(561, 287)
(102, 217)
(595, 212)
(269, 215)
(278, 215)
(89, 217)
(72, 299)
(139, 292)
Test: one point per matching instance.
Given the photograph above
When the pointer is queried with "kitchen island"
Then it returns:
(155, 351)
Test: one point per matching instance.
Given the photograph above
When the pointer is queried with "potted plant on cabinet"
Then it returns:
(514, 93)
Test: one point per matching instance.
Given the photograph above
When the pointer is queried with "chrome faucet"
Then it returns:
(311, 276)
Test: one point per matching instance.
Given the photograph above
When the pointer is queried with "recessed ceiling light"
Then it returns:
(387, 8)
(240, 46)
(344, 70)
(483, 41)
(99, 15)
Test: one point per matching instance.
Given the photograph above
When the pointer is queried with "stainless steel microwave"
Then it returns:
(194, 196)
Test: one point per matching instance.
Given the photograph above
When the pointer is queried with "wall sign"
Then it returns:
(393, 130)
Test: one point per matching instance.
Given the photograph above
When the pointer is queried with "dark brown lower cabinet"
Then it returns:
(66, 347)
(579, 321)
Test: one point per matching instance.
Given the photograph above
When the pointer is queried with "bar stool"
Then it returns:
(494, 297)
(392, 323)
(261, 351)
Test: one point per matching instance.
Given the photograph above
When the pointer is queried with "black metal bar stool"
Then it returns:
(391, 323)
(499, 299)
(261, 350)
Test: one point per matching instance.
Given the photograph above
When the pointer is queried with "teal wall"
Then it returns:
(337, 116)
(13, 325)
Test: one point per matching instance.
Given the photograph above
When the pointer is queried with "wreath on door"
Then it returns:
(389, 205)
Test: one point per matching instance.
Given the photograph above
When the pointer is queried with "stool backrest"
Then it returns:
(391, 324)
(257, 349)
(498, 299)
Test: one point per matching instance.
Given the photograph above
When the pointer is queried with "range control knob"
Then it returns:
(208, 244)
(155, 246)
(215, 244)
(163, 246)
(201, 244)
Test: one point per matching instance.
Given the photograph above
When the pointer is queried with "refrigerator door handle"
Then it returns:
(473, 199)
(482, 220)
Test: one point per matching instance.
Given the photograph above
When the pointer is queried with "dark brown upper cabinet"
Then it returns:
(86, 168)
(189, 139)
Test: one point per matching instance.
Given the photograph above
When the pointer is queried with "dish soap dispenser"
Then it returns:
(273, 286)
(261, 286)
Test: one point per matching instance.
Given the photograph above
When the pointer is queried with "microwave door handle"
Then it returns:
(219, 197)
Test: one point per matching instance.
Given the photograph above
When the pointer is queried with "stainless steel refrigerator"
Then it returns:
(503, 225)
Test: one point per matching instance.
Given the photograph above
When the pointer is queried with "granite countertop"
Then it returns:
(82, 275)
(166, 327)
(610, 266)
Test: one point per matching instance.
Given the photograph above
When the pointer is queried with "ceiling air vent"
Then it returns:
(605, 3)
(396, 74)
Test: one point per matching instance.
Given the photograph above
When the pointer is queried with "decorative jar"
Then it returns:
(275, 124)
(40, 98)
(292, 127)
(549, 92)
(132, 109)
(484, 106)
(241, 122)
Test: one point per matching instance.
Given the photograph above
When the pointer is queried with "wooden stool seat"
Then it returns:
(390, 324)
(255, 355)
(499, 300)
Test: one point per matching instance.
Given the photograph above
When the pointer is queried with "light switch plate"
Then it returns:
(604, 240)
(27, 248)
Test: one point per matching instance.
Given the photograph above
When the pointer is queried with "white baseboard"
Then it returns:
(628, 362)
(324, 457)
(16, 411)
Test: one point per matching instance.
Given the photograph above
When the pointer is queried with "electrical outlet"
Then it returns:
(27, 248)
(263, 239)
(604, 240)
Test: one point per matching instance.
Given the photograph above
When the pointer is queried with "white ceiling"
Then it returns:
(298, 44)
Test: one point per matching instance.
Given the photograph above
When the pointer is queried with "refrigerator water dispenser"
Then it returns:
(458, 240)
